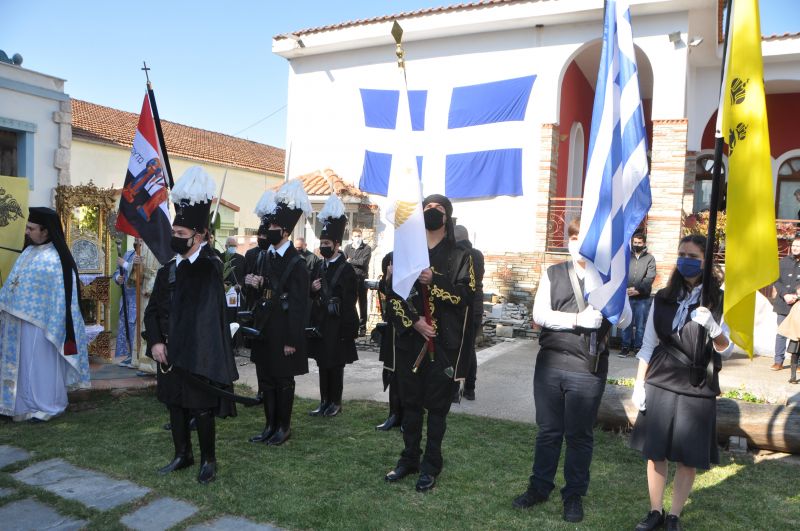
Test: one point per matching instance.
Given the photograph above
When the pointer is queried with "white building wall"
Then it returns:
(325, 123)
(34, 98)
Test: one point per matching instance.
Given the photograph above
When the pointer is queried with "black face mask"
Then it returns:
(263, 244)
(274, 236)
(181, 245)
(637, 248)
(433, 219)
(326, 251)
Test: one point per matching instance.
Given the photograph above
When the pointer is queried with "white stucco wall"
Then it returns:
(106, 165)
(32, 97)
(325, 123)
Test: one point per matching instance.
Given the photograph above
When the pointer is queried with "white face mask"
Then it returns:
(574, 250)
(356, 242)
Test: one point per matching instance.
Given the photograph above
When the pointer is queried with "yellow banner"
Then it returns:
(751, 248)
(13, 217)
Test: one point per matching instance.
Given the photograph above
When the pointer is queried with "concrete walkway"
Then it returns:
(504, 387)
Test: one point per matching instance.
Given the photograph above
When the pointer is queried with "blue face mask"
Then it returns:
(689, 267)
(231, 250)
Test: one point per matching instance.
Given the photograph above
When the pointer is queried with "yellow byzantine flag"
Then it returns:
(404, 200)
(751, 248)
(13, 218)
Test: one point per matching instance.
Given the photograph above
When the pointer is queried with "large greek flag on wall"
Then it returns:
(468, 174)
(616, 193)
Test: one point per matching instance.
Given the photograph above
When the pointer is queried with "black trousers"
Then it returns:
(361, 291)
(432, 390)
(469, 344)
(566, 408)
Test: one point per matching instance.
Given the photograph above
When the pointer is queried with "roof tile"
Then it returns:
(112, 126)
(320, 182)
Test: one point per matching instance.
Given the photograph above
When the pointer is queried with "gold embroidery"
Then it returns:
(398, 310)
(433, 310)
(471, 273)
(436, 291)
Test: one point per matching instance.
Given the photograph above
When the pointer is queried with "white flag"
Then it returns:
(404, 209)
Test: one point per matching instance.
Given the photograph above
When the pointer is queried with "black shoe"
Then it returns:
(362, 331)
(457, 396)
(208, 473)
(323, 405)
(332, 410)
(280, 437)
(425, 482)
(399, 472)
(469, 394)
(528, 499)
(793, 380)
(389, 423)
(653, 520)
(264, 436)
(573, 509)
(624, 353)
(178, 462)
(672, 523)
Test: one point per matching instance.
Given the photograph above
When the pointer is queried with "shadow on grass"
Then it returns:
(330, 474)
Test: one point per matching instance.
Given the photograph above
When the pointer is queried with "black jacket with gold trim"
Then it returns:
(451, 294)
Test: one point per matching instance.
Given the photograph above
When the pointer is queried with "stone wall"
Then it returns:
(62, 157)
(514, 276)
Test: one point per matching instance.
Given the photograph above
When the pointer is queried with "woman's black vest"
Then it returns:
(686, 371)
(569, 349)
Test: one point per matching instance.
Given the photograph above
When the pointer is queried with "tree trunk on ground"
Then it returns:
(765, 426)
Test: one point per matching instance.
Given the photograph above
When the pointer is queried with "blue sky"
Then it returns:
(212, 64)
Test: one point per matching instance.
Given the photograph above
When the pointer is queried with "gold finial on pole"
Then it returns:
(397, 33)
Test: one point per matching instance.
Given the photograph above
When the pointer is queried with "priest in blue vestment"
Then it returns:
(42, 337)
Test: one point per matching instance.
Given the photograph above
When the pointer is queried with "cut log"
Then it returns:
(766, 426)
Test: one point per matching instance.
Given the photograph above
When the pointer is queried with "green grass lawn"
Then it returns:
(330, 474)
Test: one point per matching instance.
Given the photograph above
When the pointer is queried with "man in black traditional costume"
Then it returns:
(333, 310)
(278, 288)
(186, 329)
(431, 355)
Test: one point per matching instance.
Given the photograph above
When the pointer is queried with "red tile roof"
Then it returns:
(112, 126)
(319, 183)
(782, 36)
(406, 14)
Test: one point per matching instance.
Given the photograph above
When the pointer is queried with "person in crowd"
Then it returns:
(124, 278)
(790, 329)
(234, 267)
(311, 259)
(43, 349)
(569, 380)
(334, 320)
(387, 353)
(429, 353)
(186, 330)
(358, 255)
(677, 383)
(475, 324)
(787, 288)
(279, 289)
(641, 274)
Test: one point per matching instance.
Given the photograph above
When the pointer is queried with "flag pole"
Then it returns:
(161, 144)
(716, 175)
(397, 34)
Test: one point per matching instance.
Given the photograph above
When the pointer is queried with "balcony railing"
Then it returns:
(562, 210)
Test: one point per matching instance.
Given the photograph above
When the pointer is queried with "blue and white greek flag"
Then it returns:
(616, 194)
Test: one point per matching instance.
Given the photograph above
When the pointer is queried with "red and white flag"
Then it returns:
(144, 205)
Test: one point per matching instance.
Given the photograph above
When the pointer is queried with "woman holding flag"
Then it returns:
(677, 383)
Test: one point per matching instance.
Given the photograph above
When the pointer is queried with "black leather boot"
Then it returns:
(793, 376)
(324, 401)
(395, 416)
(179, 426)
(207, 437)
(270, 417)
(284, 408)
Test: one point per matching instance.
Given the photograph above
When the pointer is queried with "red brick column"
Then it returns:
(668, 186)
(546, 181)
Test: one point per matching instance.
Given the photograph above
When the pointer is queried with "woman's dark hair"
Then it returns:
(677, 285)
